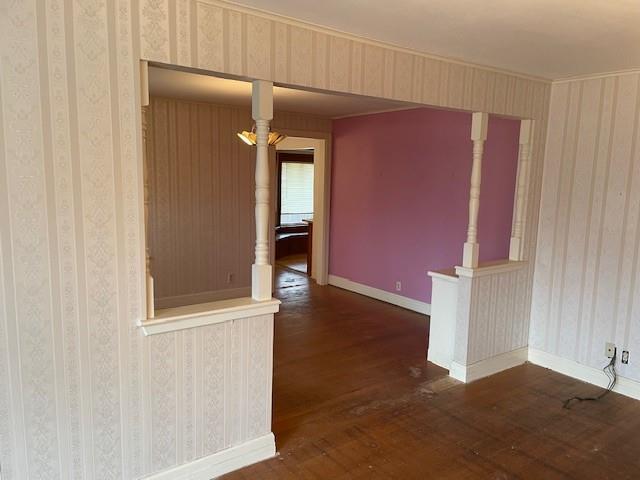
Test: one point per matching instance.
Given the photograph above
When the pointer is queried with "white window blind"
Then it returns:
(296, 192)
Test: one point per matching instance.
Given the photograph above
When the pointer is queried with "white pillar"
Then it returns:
(479, 122)
(262, 112)
(516, 247)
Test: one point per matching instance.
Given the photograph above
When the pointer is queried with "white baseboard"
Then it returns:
(392, 298)
(484, 368)
(442, 359)
(624, 386)
(222, 462)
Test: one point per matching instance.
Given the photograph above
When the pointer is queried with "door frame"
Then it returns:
(321, 144)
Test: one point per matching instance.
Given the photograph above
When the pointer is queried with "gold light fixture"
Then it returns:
(250, 137)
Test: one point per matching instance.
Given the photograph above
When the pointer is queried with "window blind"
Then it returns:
(296, 191)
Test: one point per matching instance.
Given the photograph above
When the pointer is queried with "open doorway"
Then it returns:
(294, 209)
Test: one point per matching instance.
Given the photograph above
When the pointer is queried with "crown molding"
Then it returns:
(595, 76)
(378, 43)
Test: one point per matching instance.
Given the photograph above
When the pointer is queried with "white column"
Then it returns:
(516, 247)
(479, 121)
(262, 112)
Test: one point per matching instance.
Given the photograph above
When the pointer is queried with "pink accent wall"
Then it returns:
(400, 193)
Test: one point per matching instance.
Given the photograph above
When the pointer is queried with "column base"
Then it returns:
(515, 249)
(470, 255)
(261, 279)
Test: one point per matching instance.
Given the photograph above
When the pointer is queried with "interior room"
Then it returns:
(281, 240)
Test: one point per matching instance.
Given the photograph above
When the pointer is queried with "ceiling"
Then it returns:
(546, 38)
(205, 88)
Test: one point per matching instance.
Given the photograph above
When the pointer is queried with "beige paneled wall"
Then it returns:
(201, 201)
(84, 396)
(587, 279)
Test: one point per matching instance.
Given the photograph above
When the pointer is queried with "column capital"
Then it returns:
(526, 132)
(479, 126)
(262, 100)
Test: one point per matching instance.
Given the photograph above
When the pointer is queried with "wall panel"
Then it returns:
(586, 286)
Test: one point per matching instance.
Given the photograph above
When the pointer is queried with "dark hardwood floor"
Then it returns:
(354, 398)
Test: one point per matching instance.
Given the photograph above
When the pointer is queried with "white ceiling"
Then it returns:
(204, 88)
(546, 38)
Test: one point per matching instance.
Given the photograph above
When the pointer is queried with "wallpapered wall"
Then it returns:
(399, 201)
(86, 395)
(587, 282)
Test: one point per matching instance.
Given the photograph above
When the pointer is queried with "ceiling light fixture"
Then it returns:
(250, 137)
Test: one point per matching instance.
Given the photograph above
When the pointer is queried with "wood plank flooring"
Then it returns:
(354, 398)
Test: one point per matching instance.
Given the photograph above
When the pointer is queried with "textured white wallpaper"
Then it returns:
(498, 301)
(587, 278)
(86, 395)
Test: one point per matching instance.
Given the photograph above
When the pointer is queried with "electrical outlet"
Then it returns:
(229, 278)
(609, 350)
(625, 356)
(398, 286)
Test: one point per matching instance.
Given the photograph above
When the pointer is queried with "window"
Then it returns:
(296, 191)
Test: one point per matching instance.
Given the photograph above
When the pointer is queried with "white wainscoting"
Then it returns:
(394, 299)
(492, 314)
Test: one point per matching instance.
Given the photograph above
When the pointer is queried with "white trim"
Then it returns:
(220, 463)
(394, 299)
(594, 76)
(440, 358)
(492, 268)
(484, 368)
(624, 386)
(321, 198)
(190, 316)
(447, 277)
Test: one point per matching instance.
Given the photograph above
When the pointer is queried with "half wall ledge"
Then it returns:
(490, 268)
(456, 320)
(198, 315)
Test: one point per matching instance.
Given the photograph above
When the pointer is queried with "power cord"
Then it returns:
(610, 371)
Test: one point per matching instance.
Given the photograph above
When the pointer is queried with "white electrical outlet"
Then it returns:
(609, 350)
(625, 357)
(398, 286)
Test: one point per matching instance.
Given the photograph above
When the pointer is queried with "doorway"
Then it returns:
(294, 209)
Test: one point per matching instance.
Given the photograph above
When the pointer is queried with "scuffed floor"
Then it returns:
(354, 398)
